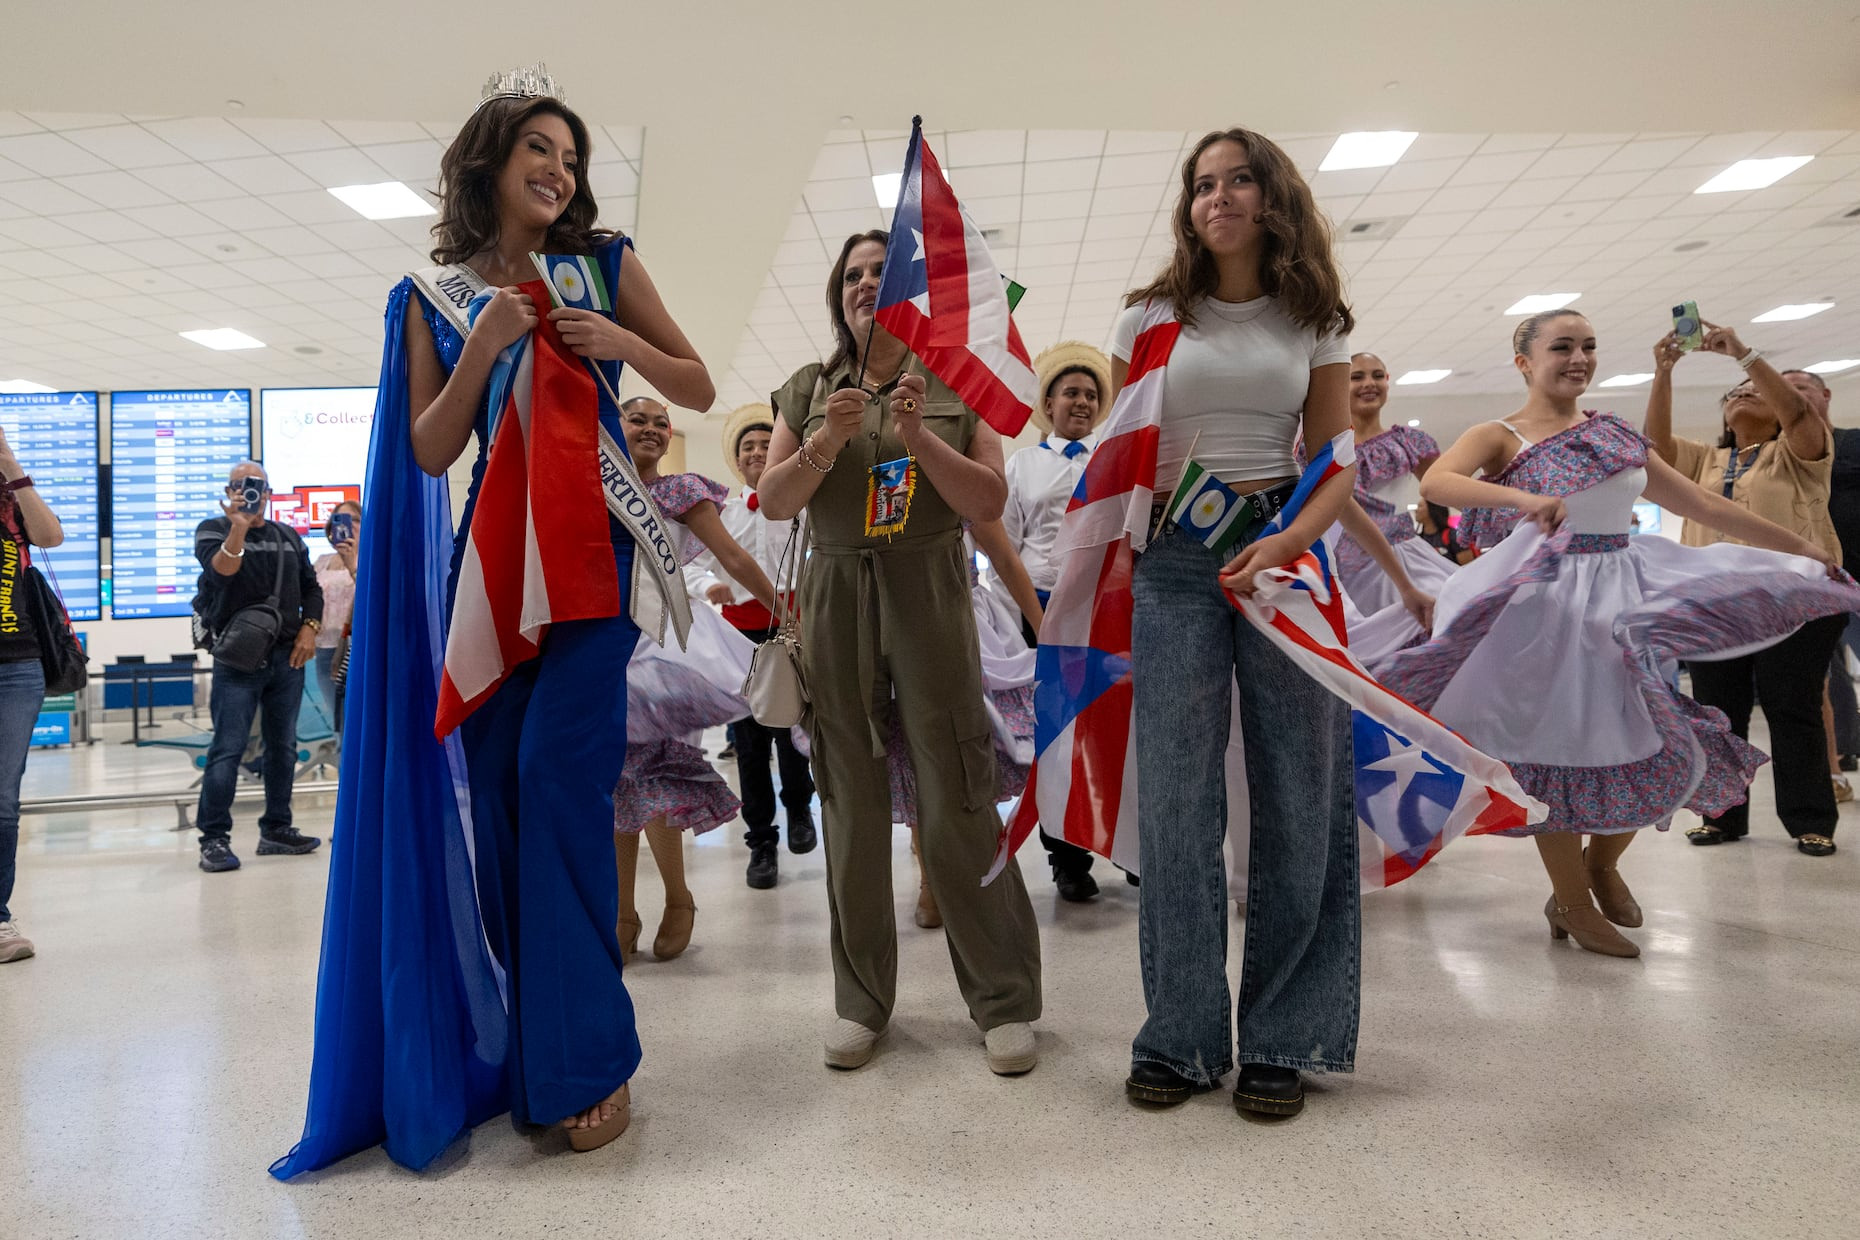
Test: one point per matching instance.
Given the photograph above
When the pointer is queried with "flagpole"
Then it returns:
(1178, 485)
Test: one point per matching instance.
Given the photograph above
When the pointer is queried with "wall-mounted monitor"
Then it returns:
(314, 442)
(55, 436)
(170, 453)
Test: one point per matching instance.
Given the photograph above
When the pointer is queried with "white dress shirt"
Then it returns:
(761, 538)
(1041, 479)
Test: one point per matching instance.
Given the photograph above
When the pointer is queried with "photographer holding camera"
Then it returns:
(262, 609)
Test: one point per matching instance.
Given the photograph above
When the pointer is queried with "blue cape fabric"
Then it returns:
(410, 1025)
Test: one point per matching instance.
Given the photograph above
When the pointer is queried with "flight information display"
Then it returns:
(54, 435)
(315, 446)
(170, 453)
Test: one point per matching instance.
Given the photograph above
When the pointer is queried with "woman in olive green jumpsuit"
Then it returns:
(887, 625)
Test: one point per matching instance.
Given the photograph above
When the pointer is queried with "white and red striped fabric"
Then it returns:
(538, 551)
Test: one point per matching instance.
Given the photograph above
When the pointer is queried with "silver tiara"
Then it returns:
(529, 82)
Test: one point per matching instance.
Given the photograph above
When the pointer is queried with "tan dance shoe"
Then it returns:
(627, 931)
(1589, 928)
(1612, 895)
(675, 930)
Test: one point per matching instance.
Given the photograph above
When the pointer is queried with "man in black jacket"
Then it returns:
(240, 555)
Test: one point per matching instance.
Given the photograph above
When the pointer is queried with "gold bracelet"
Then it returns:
(807, 459)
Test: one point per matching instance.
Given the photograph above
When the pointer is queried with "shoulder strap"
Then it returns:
(1514, 430)
(277, 580)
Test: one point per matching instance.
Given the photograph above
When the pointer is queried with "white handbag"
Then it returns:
(776, 688)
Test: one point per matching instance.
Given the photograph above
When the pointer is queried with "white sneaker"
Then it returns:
(851, 1045)
(1011, 1049)
(13, 944)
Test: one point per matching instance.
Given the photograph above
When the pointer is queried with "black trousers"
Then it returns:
(753, 743)
(1787, 681)
(1061, 855)
(1841, 692)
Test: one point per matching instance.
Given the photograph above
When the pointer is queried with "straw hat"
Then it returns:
(740, 422)
(1064, 356)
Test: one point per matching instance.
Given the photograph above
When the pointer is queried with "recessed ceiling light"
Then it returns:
(388, 200)
(224, 338)
(1537, 303)
(22, 387)
(308, 350)
(1834, 367)
(1414, 421)
(1422, 376)
(1753, 174)
(1367, 150)
(1625, 381)
(1790, 313)
(888, 185)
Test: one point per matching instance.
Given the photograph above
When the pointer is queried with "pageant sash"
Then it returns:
(450, 290)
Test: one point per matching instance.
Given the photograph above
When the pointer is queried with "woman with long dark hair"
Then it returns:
(1262, 355)
(469, 961)
(888, 462)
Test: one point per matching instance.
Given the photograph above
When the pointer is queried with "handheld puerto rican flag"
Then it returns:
(1419, 784)
(1207, 509)
(574, 282)
(945, 298)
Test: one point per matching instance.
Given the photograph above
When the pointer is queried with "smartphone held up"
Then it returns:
(1688, 326)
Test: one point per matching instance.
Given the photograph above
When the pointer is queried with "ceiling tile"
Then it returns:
(243, 212)
(113, 189)
(1064, 144)
(50, 155)
(984, 146)
(45, 197)
(1487, 168)
(343, 166)
(188, 182)
(1509, 143)
(205, 137)
(106, 226)
(289, 137)
(262, 174)
(1144, 142)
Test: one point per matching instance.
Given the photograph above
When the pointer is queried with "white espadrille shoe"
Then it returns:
(1011, 1049)
(851, 1045)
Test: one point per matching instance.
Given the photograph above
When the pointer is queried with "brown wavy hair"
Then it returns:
(1297, 265)
(468, 183)
(844, 346)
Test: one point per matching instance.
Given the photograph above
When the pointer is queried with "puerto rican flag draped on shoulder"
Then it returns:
(538, 551)
(1419, 784)
(943, 296)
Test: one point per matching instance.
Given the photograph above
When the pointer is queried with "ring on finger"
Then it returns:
(910, 404)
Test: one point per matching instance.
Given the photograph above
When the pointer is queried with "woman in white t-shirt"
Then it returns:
(1262, 354)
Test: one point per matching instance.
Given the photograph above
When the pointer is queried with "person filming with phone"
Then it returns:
(335, 572)
(262, 608)
(1774, 457)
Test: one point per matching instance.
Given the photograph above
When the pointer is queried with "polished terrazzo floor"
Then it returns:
(156, 1051)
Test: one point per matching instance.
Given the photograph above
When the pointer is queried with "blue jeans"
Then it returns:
(22, 691)
(1300, 977)
(277, 689)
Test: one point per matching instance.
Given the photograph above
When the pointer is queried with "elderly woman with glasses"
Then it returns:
(1775, 458)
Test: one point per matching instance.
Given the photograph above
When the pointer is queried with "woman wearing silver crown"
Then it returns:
(469, 961)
